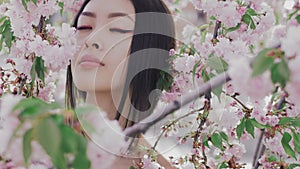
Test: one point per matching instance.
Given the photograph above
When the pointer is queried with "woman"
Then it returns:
(123, 53)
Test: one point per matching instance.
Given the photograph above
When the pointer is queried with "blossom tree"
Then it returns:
(238, 73)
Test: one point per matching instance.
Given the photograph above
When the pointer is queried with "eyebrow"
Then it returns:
(118, 14)
(111, 15)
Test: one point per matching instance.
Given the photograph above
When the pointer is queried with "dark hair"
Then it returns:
(152, 31)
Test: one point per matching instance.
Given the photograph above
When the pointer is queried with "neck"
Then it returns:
(105, 101)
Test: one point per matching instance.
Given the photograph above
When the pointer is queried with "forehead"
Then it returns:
(102, 8)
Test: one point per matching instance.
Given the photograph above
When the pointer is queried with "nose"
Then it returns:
(94, 45)
(93, 41)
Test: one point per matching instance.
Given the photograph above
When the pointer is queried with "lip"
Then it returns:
(88, 61)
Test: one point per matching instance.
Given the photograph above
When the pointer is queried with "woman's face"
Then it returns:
(104, 34)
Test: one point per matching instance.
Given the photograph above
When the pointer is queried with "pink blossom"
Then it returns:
(290, 44)
(273, 120)
(242, 10)
(187, 33)
(294, 86)
(205, 48)
(267, 20)
(242, 81)
(274, 144)
(169, 96)
(237, 150)
(211, 7)
(72, 6)
(38, 45)
(228, 14)
(264, 161)
(24, 66)
(172, 52)
(149, 164)
(46, 93)
(277, 33)
(98, 156)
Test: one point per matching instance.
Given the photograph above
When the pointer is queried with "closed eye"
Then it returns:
(84, 28)
(120, 30)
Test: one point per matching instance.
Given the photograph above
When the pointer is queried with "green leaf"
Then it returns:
(75, 144)
(205, 141)
(50, 138)
(240, 128)
(24, 3)
(131, 167)
(205, 75)
(8, 37)
(257, 124)
(34, 1)
(195, 68)
(61, 5)
(234, 28)
(32, 72)
(218, 64)
(292, 166)
(296, 122)
(285, 120)
(251, 12)
(280, 73)
(1, 42)
(2, 19)
(218, 91)
(224, 136)
(216, 140)
(286, 138)
(250, 127)
(213, 18)
(7, 33)
(27, 149)
(262, 62)
(298, 19)
(32, 107)
(247, 19)
(223, 165)
(40, 68)
(272, 159)
(81, 162)
(69, 145)
(293, 13)
(203, 36)
(296, 138)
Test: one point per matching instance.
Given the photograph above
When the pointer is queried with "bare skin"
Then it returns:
(99, 67)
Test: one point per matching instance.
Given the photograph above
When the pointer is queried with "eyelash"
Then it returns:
(83, 28)
(119, 30)
(111, 29)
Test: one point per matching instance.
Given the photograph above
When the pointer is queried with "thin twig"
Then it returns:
(200, 127)
(172, 123)
(161, 113)
(42, 24)
(217, 26)
(237, 100)
(263, 147)
(257, 149)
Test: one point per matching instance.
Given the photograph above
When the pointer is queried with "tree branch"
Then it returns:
(161, 113)
(260, 149)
